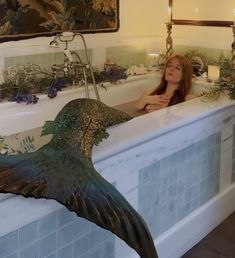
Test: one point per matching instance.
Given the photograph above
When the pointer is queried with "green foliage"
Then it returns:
(223, 61)
(223, 86)
(48, 128)
(213, 94)
(205, 59)
(225, 66)
(31, 79)
(25, 79)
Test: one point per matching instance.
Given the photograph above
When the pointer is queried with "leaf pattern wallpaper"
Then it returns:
(26, 18)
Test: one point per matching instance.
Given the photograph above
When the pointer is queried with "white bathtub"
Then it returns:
(23, 117)
(127, 157)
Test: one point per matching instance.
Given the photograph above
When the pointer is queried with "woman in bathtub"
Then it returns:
(174, 86)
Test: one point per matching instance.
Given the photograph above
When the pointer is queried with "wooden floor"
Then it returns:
(220, 243)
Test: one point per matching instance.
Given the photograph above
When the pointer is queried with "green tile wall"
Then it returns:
(126, 56)
(43, 60)
(176, 185)
(212, 54)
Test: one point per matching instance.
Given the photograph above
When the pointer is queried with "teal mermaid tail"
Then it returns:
(63, 170)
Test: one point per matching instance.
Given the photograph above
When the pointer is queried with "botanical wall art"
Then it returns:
(20, 19)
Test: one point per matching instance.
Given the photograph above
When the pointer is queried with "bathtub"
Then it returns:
(175, 166)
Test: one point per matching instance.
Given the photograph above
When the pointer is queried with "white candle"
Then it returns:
(152, 59)
(169, 14)
(213, 72)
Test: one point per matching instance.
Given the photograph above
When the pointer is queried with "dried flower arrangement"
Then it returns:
(22, 82)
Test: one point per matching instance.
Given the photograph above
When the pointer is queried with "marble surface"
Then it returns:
(154, 124)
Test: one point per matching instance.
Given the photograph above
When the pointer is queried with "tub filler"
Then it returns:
(175, 166)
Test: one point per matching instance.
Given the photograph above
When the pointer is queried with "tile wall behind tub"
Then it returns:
(43, 60)
(127, 56)
(174, 186)
(212, 55)
(124, 56)
(60, 234)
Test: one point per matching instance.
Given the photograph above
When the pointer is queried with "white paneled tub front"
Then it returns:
(173, 165)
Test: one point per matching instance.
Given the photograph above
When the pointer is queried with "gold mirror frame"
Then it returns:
(198, 22)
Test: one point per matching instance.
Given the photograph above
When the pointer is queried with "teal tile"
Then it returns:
(65, 252)
(28, 234)
(188, 178)
(164, 164)
(163, 196)
(149, 173)
(85, 256)
(107, 234)
(208, 194)
(30, 251)
(146, 189)
(8, 244)
(168, 221)
(47, 245)
(15, 255)
(172, 191)
(52, 256)
(47, 224)
(144, 206)
(180, 198)
(184, 210)
(95, 237)
(95, 253)
(65, 216)
(107, 248)
(172, 175)
(81, 246)
(72, 231)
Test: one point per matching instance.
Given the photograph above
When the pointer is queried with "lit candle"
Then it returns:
(169, 14)
(213, 72)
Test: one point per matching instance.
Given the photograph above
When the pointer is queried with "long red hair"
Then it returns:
(185, 83)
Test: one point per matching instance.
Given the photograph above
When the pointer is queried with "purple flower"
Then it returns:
(55, 86)
(26, 98)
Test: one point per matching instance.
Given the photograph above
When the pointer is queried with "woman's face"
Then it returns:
(174, 71)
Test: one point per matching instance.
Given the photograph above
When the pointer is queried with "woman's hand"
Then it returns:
(153, 102)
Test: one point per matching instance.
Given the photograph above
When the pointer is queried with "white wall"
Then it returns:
(211, 37)
(141, 22)
(138, 19)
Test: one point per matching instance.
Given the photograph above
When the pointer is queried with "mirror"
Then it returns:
(203, 13)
